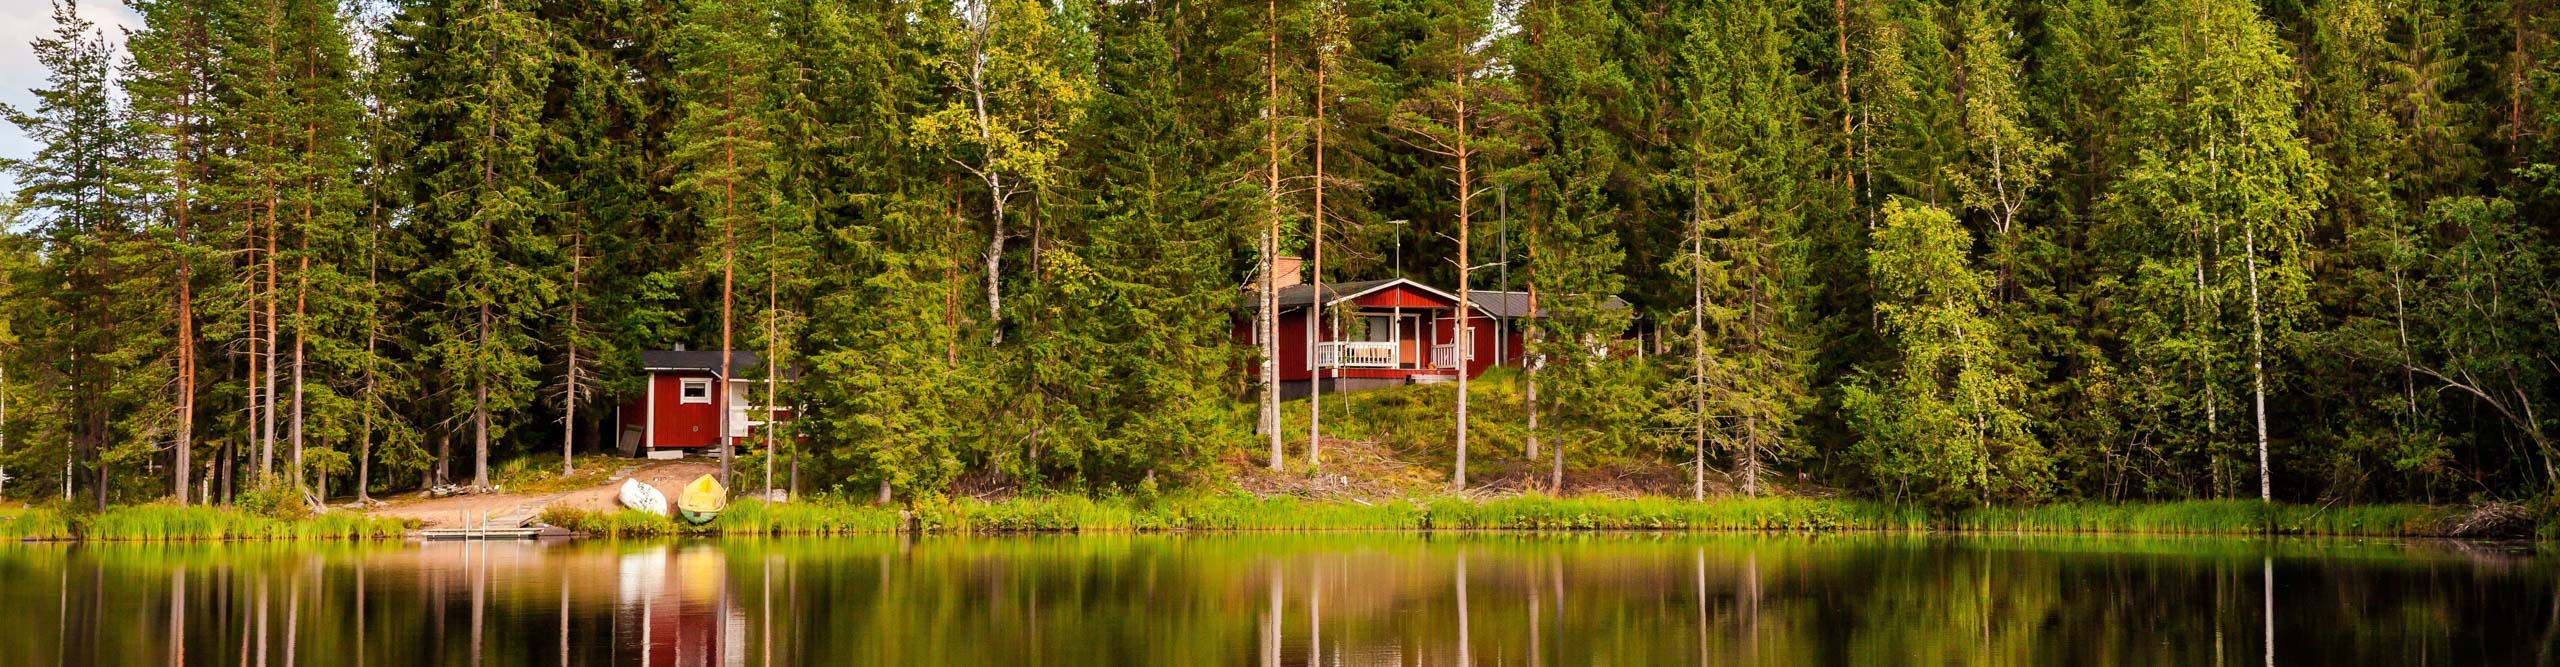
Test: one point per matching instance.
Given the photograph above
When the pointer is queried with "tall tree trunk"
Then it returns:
(1271, 240)
(1316, 310)
(275, 330)
(569, 397)
(444, 457)
(1698, 353)
(294, 433)
(728, 290)
(772, 351)
(4, 433)
(1466, 197)
(996, 193)
(372, 343)
(1848, 134)
(1529, 360)
(2257, 360)
(480, 405)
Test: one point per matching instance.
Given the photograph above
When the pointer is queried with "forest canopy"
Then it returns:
(1958, 252)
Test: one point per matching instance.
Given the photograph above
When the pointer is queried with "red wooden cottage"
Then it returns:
(679, 407)
(1379, 333)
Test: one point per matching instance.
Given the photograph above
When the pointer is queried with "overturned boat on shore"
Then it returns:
(702, 500)
(643, 497)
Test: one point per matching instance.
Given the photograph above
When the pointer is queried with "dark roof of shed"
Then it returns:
(698, 360)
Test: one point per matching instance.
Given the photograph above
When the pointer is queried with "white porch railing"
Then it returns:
(1444, 356)
(1355, 354)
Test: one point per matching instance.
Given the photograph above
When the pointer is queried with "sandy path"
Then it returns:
(453, 511)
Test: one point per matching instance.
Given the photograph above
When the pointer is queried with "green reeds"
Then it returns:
(619, 523)
(2214, 517)
(1721, 514)
(27, 523)
(172, 523)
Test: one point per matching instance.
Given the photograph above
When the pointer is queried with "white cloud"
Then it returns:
(21, 22)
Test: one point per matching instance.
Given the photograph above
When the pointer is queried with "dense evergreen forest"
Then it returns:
(1958, 252)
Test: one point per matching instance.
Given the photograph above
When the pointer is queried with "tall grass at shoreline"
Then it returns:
(172, 523)
(2218, 517)
(1239, 512)
(1244, 512)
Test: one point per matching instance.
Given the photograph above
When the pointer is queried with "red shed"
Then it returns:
(680, 404)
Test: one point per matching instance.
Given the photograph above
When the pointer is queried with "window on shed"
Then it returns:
(695, 391)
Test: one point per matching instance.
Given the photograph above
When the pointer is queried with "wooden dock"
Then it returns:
(492, 533)
(512, 526)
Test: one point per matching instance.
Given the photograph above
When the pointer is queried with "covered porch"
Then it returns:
(1371, 334)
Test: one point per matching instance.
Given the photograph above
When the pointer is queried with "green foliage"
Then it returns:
(1963, 252)
(2207, 231)
(1741, 380)
(171, 523)
(1942, 424)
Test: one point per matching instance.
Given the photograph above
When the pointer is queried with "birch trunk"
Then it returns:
(1271, 241)
(2257, 360)
(1698, 355)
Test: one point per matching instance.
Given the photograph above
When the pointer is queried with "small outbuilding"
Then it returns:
(686, 398)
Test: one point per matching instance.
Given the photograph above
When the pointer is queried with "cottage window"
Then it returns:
(695, 391)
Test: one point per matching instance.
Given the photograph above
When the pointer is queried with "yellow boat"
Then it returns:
(702, 500)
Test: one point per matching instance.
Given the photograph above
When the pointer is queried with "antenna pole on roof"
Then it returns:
(1399, 245)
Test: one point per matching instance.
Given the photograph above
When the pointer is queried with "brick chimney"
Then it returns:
(1288, 273)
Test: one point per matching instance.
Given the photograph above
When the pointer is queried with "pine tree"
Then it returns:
(1462, 118)
(171, 88)
(724, 143)
(93, 346)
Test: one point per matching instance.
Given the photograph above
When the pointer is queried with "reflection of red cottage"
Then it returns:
(1380, 333)
(679, 405)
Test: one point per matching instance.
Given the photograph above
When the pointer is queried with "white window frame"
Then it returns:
(684, 391)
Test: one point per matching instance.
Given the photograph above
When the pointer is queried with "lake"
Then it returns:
(1288, 599)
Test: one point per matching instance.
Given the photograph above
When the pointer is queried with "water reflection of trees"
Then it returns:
(1279, 600)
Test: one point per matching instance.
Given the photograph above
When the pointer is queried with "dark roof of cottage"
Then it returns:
(1508, 305)
(698, 360)
(1303, 294)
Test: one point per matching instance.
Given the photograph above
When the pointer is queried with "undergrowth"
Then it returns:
(160, 522)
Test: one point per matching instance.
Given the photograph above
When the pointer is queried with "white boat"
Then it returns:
(643, 497)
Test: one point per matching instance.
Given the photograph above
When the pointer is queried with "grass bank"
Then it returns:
(2238, 517)
(171, 523)
(1238, 512)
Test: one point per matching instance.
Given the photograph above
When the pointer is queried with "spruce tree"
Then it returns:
(472, 108)
(1572, 85)
(1744, 381)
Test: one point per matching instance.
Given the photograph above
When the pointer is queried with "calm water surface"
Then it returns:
(1331, 599)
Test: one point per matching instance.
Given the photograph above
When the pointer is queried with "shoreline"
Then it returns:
(1241, 513)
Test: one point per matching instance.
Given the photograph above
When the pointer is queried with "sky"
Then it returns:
(21, 22)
